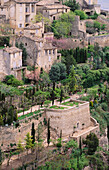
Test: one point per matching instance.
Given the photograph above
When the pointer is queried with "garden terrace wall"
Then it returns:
(66, 119)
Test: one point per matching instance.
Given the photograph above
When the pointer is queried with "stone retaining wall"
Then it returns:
(69, 117)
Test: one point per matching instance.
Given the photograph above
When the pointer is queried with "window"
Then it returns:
(78, 125)
(25, 44)
(49, 51)
(20, 9)
(20, 17)
(1, 9)
(20, 25)
(53, 18)
(49, 58)
(45, 52)
(13, 55)
(36, 31)
(53, 51)
(32, 8)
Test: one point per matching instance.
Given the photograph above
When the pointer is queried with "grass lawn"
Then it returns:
(57, 107)
(70, 103)
(28, 115)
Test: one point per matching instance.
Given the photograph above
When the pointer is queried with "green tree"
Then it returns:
(61, 29)
(68, 59)
(20, 148)
(33, 133)
(39, 18)
(72, 80)
(54, 74)
(62, 70)
(97, 25)
(72, 4)
(48, 132)
(61, 95)
(1, 120)
(52, 97)
(28, 140)
(1, 156)
(91, 143)
(39, 131)
(81, 13)
(10, 115)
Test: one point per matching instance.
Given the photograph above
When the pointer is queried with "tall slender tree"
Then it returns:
(33, 133)
(48, 134)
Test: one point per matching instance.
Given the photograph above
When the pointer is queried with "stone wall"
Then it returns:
(103, 21)
(30, 45)
(11, 134)
(102, 40)
(66, 119)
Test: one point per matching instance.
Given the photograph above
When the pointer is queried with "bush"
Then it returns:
(104, 106)
(81, 13)
(91, 103)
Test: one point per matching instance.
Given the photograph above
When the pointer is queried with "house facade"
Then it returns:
(40, 50)
(11, 62)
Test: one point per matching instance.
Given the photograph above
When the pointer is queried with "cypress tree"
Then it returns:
(80, 146)
(61, 96)
(60, 134)
(48, 134)
(33, 133)
(52, 97)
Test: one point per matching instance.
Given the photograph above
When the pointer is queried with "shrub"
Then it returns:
(81, 13)
(104, 106)
(91, 103)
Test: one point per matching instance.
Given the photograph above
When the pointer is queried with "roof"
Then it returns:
(56, 6)
(46, 2)
(48, 46)
(33, 26)
(12, 49)
(34, 38)
(25, 1)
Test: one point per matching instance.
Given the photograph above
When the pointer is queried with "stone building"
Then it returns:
(39, 47)
(51, 9)
(90, 6)
(78, 28)
(11, 62)
(20, 13)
